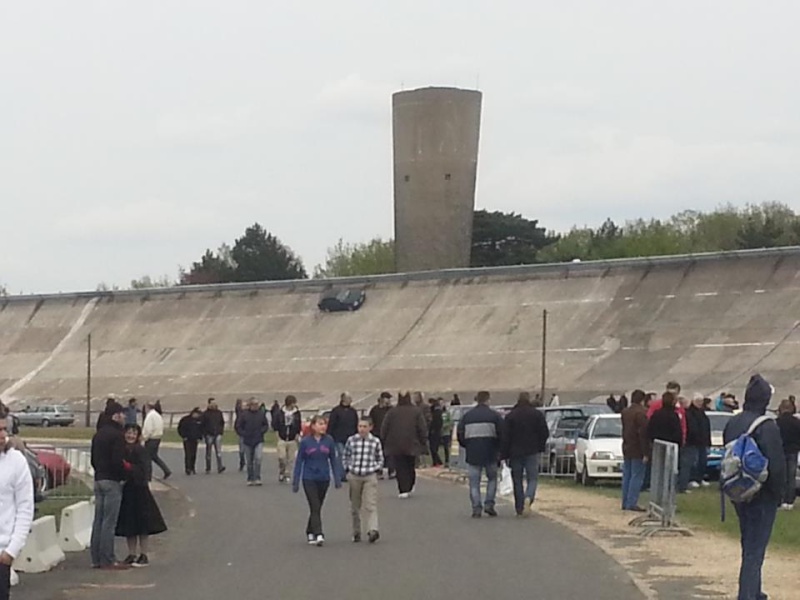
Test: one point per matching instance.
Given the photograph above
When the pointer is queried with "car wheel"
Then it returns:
(586, 480)
(45, 422)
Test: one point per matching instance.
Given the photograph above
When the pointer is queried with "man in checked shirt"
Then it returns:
(363, 458)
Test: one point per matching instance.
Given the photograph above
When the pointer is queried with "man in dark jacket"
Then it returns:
(377, 414)
(698, 436)
(523, 441)
(108, 461)
(634, 451)
(190, 428)
(343, 423)
(435, 430)
(480, 433)
(789, 425)
(757, 517)
(251, 426)
(287, 423)
(213, 428)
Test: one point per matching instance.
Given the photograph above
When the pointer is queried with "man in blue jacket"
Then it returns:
(757, 517)
(479, 432)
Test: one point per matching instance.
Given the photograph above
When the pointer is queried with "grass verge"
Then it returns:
(700, 509)
(61, 497)
(86, 433)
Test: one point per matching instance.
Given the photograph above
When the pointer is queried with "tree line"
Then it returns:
(501, 238)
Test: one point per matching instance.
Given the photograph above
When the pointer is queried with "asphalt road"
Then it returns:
(229, 539)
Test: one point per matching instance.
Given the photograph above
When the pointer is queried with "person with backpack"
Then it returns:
(789, 426)
(755, 495)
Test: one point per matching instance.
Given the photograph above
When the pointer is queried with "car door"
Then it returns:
(581, 445)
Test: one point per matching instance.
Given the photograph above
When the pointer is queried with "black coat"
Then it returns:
(698, 428)
(789, 426)
(108, 452)
(287, 431)
(377, 414)
(251, 427)
(138, 514)
(525, 432)
(404, 432)
(343, 423)
(437, 421)
(665, 425)
(768, 438)
(213, 422)
(190, 428)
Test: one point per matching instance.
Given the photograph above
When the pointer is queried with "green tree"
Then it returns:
(506, 239)
(151, 282)
(211, 268)
(347, 260)
(260, 256)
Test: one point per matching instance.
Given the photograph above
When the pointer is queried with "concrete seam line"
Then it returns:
(637, 581)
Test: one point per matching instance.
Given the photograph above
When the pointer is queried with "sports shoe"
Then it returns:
(693, 485)
(320, 540)
(142, 561)
(489, 510)
(257, 482)
(786, 506)
(356, 538)
(373, 536)
(403, 496)
(251, 483)
(476, 514)
(705, 483)
(129, 560)
(312, 539)
(526, 507)
(221, 470)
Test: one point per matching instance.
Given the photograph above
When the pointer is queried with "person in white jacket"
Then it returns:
(16, 507)
(152, 432)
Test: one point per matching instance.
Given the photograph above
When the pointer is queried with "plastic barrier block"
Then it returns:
(76, 527)
(41, 552)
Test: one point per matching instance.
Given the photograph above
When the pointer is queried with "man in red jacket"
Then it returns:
(675, 388)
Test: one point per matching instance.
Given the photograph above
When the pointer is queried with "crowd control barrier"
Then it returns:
(76, 527)
(42, 551)
(660, 517)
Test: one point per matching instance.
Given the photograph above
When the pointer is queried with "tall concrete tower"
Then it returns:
(436, 133)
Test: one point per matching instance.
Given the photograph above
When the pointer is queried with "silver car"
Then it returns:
(45, 416)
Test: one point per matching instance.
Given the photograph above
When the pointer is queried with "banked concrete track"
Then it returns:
(705, 320)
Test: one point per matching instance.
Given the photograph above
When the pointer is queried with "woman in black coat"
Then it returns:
(139, 516)
(665, 424)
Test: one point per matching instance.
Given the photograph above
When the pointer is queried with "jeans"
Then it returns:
(475, 472)
(214, 441)
(686, 464)
(755, 524)
(529, 467)
(364, 499)
(190, 456)
(5, 582)
(790, 493)
(406, 472)
(242, 463)
(252, 459)
(315, 494)
(700, 465)
(107, 499)
(434, 441)
(633, 470)
(152, 446)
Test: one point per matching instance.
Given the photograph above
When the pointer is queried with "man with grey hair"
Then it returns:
(343, 424)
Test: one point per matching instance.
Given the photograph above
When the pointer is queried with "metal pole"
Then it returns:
(544, 355)
(88, 380)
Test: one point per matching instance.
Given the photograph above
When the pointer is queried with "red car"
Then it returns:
(57, 467)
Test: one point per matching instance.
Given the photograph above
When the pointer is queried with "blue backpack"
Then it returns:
(744, 467)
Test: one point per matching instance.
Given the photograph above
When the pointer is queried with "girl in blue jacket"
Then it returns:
(316, 458)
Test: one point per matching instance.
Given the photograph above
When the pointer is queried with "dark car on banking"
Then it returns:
(339, 300)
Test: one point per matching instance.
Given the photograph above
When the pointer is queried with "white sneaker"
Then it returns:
(403, 496)
(312, 539)
(785, 506)
(320, 540)
(693, 485)
(705, 483)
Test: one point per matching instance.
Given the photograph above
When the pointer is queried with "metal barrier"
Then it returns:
(660, 517)
(67, 473)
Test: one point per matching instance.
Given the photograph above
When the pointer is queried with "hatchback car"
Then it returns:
(341, 300)
(598, 450)
(45, 416)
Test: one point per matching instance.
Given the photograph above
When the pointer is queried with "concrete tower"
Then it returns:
(436, 132)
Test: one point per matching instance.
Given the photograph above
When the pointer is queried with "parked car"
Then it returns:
(38, 474)
(598, 450)
(560, 448)
(718, 422)
(337, 300)
(45, 416)
(57, 468)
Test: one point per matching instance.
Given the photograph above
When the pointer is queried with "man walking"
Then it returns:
(343, 423)
(131, 412)
(287, 424)
(363, 458)
(757, 517)
(213, 428)
(698, 437)
(190, 428)
(376, 415)
(108, 461)
(524, 441)
(435, 431)
(152, 432)
(479, 432)
(16, 506)
(635, 451)
(251, 426)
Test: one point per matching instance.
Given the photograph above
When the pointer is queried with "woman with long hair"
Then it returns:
(405, 435)
(139, 516)
(316, 459)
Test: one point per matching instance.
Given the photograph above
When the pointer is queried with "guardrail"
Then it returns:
(660, 517)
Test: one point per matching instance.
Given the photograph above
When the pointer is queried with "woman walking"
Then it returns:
(139, 516)
(316, 458)
(405, 435)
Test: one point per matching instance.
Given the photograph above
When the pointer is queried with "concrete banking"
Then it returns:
(707, 321)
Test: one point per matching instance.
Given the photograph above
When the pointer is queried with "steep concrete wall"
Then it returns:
(707, 321)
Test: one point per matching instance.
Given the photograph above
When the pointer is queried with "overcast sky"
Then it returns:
(134, 135)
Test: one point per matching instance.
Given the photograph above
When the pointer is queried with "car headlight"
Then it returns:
(602, 456)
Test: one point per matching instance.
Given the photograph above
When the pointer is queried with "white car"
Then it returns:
(598, 449)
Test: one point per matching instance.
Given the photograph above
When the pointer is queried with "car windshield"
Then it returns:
(607, 428)
(595, 409)
(718, 422)
(62, 409)
(570, 425)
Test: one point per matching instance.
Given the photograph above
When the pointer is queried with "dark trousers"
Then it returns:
(686, 464)
(790, 493)
(152, 450)
(434, 441)
(756, 519)
(5, 582)
(190, 456)
(315, 494)
(700, 465)
(446, 441)
(406, 472)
